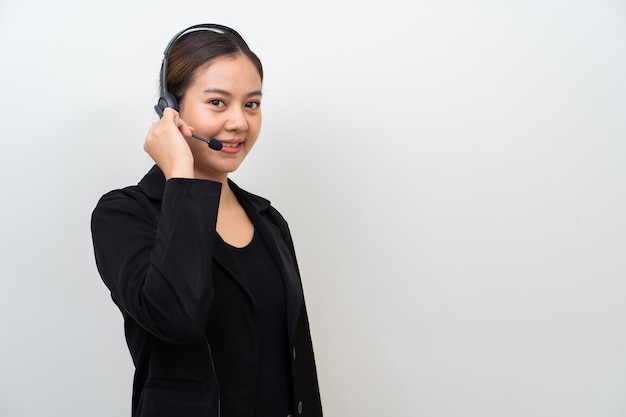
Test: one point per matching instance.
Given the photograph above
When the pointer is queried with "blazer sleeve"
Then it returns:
(158, 265)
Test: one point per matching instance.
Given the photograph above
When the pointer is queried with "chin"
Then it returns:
(217, 171)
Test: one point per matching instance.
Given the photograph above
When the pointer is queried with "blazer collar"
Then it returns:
(272, 230)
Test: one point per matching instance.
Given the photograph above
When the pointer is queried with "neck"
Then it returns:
(209, 175)
(227, 197)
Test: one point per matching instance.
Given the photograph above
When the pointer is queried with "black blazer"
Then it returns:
(190, 322)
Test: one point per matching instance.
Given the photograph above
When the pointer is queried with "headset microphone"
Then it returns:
(214, 144)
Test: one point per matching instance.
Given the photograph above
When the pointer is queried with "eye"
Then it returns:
(253, 104)
(217, 103)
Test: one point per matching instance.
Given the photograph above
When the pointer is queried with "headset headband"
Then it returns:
(204, 26)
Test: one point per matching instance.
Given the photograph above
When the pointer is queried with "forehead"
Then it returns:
(234, 70)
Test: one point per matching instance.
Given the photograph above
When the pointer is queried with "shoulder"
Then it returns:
(120, 197)
(122, 206)
(139, 200)
(149, 188)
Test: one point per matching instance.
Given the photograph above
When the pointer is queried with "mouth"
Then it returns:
(231, 146)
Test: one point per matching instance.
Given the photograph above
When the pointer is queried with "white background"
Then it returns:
(453, 173)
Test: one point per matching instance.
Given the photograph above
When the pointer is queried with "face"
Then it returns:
(223, 102)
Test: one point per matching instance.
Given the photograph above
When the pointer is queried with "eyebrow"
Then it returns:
(228, 94)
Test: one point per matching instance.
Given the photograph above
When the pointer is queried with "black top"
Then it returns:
(273, 393)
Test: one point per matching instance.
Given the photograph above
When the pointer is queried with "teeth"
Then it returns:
(230, 145)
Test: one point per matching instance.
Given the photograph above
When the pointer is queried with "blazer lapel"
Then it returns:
(280, 252)
(257, 208)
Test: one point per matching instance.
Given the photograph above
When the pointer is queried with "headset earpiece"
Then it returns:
(166, 100)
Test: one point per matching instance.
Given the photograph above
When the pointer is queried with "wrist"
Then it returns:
(179, 173)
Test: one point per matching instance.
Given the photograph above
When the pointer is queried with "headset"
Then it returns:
(166, 98)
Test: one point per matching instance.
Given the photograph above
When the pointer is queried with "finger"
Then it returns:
(169, 114)
(184, 128)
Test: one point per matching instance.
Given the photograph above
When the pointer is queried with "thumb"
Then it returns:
(183, 127)
(186, 130)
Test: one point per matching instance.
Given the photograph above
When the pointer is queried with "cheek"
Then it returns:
(254, 135)
(197, 146)
(255, 125)
(197, 116)
(250, 144)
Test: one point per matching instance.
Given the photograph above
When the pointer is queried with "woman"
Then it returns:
(205, 273)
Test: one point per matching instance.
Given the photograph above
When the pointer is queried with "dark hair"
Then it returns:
(195, 49)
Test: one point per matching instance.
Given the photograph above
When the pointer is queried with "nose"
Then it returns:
(237, 120)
